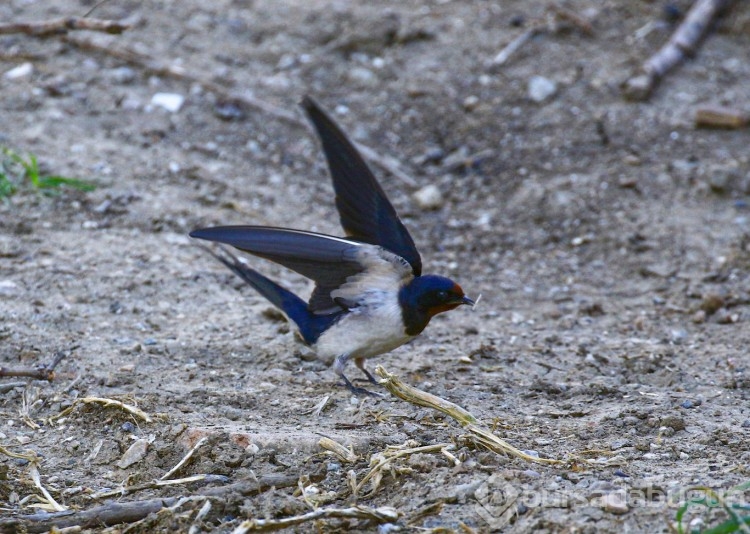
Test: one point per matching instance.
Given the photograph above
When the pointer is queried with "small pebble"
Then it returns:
(615, 503)
(620, 473)
(127, 426)
(673, 421)
(21, 71)
(746, 423)
(541, 88)
(687, 404)
(362, 76)
(631, 159)
(619, 444)
(229, 111)
(121, 75)
(471, 102)
(7, 287)
(172, 102)
(711, 303)
(429, 197)
(134, 454)
(678, 336)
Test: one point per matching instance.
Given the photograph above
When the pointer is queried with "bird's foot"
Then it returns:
(360, 391)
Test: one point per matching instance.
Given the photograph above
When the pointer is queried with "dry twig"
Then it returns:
(684, 42)
(185, 458)
(379, 515)
(550, 24)
(337, 449)
(106, 403)
(43, 372)
(156, 484)
(721, 117)
(479, 433)
(384, 459)
(129, 512)
(62, 26)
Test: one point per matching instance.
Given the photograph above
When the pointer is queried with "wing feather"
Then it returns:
(366, 213)
(336, 265)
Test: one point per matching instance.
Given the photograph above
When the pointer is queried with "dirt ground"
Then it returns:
(610, 242)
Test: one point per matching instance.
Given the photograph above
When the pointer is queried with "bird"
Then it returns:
(370, 295)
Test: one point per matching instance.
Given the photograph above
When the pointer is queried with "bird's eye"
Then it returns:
(442, 295)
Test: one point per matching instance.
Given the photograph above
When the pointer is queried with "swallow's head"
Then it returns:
(426, 296)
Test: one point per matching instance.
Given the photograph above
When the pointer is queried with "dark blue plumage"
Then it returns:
(366, 213)
(370, 296)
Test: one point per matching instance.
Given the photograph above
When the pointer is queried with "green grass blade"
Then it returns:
(727, 527)
(50, 182)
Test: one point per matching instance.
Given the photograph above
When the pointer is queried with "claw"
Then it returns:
(359, 391)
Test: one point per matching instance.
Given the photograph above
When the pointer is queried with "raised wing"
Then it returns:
(366, 213)
(329, 261)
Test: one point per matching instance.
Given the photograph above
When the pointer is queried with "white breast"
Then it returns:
(373, 328)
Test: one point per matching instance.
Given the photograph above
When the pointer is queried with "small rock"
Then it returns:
(724, 316)
(127, 426)
(687, 404)
(619, 444)
(746, 423)
(172, 102)
(711, 303)
(631, 159)
(678, 336)
(722, 178)
(471, 102)
(429, 197)
(362, 76)
(699, 317)
(121, 75)
(7, 287)
(21, 71)
(615, 502)
(674, 421)
(134, 454)
(541, 88)
(229, 110)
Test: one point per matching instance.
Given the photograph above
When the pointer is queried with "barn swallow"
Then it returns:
(370, 294)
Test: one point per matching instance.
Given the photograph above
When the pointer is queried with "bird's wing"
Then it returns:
(334, 263)
(366, 213)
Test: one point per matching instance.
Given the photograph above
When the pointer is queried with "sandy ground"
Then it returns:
(609, 241)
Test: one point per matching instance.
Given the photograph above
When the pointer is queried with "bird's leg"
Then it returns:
(360, 362)
(338, 367)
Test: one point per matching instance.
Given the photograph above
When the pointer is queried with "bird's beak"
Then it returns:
(467, 301)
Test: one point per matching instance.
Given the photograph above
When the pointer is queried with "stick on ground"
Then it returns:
(116, 513)
(684, 42)
(379, 515)
(44, 372)
(62, 26)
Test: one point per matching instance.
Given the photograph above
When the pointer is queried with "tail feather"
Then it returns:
(309, 324)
